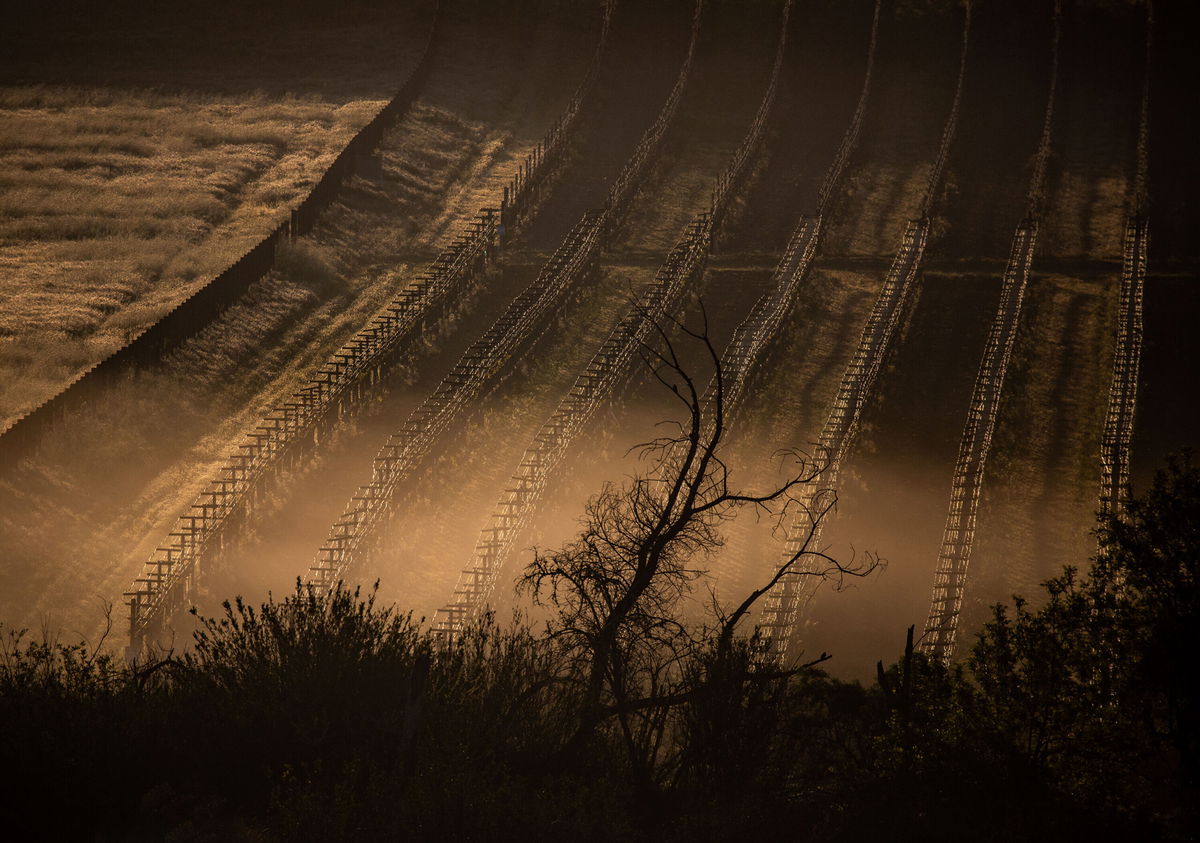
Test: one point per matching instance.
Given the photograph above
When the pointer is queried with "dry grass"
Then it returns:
(910, 101)
(106, 487)
(435, 536)
(116, 205)
(788, 403)
(143, 148)
(1043, 481)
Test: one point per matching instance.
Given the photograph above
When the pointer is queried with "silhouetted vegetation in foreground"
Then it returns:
(326, 718)
(329, 717)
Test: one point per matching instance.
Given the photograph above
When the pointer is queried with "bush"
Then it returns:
(326, 716)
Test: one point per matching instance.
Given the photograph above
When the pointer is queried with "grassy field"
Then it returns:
(1004, 101)
(114, 209)
(883, 189)
(885, 185)
(1042, 479)
(121, 196)
(128, 179)
(789, 402)
(290, 530)
(78, 523)
(1043, 476)
(436, 530)
(895, 485)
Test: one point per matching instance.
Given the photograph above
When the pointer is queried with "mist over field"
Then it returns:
(298, 296)
(519, 419)
(132, 178)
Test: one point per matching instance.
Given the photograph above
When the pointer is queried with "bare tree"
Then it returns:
(617, 589)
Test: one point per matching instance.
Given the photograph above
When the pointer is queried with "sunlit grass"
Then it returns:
(115, 204)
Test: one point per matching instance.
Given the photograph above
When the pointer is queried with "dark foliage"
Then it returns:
(329, 717)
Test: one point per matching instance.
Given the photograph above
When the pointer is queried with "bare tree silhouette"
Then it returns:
(617, 589)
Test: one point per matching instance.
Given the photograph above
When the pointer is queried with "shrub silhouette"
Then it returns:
(328, 716)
